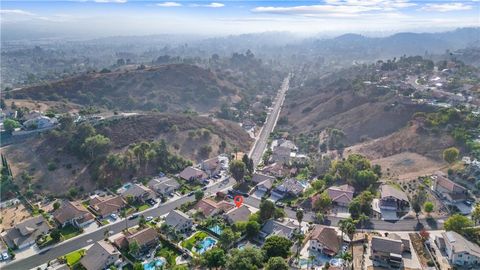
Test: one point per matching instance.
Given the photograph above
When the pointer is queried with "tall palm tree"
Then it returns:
(299, 216)
(347, 226)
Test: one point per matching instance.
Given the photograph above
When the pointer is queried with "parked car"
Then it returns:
(5, 256)
(191, 193)
(204, 188)
(149, 218)
(280, 204)
(134, 216)
(114, 216)
(151, 202)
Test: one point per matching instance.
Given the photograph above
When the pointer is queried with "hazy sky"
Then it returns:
(130, 17)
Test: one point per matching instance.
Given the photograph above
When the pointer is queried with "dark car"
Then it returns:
(191, 193)
(134, 216)
(151, 202)
(204, 188)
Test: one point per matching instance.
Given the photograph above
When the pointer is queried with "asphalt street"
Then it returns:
(89, 238)
(262, 140)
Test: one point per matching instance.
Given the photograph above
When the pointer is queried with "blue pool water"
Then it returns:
(336, 262)
(156, 263)
(206, 244)
(216, 229)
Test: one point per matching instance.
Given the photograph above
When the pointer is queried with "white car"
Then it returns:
(5, 256)
(114, 216)
(149, 218)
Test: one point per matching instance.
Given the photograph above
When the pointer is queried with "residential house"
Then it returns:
(281, 155)
(289, 187)
(276, 169)
(210, 208)
(341, 195)
(237, 214)
(101, 255)
(325, 240)
(258, 178)
(459, 250)
(386, 252)
(405, 240)
(73, 213)
(248, 124)
(138, 192)
(450, 190)
(164, 186)
(193, 174)
(104, 207)
(273, 227)
(211, 166)
(179, 221)
(265, 185)
(285, 143)
(40, 122)
(25, 233)
(392, 198)
(145, 238)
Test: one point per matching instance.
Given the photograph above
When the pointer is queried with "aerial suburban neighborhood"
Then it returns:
(240, 135)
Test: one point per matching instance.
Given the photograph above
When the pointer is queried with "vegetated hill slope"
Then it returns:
(170, 87)
(184, 133)
(412, 138)
(56, 170)
(408, 153)
(343, 101)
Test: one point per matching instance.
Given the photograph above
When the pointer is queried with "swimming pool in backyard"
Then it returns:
(157, 263)
(216, 229)
(206, 244)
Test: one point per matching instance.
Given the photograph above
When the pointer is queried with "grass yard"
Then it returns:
(74, 257)
(69, 231)
(143, 207)
(105, 222)
(190, 242)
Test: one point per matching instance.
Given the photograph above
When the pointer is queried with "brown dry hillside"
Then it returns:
(177, 130)
(409, 139)
(183, 134)
(359, 117)
(170, 87)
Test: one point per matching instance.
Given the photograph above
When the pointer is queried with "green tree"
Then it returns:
(457, 223)
(237, 169)
(476, 214)
(299, 216)
(450, 154)
(227, 238)
(267, 209)
(347, 226)
(133, 247)
(137, 266)
(56, 235)
(276, 263)
(364, 179)
(199, 195)
(56, 205)
(252, 228)
(362, 204)
(247, 259)
(248, 163)
(416, 206)
(10, 125)
(322, 202)
(277, 246)
(97, 145)
(214, 258)
(428, 207)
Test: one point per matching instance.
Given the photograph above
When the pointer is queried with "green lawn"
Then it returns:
(105, 222)
(69, 231)
(190, 242)
(143, 207)
(74, 257)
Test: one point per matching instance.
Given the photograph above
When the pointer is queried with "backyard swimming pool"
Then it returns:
(157, 263)
(206, 244)
(337, 262)
(216, 229)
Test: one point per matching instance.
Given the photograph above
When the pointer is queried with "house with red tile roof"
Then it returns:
(341, 195)
(73, 213)
(209, 207)
(450, 190)
(325, 240)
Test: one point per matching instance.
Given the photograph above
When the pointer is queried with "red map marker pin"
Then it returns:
(238, 200)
